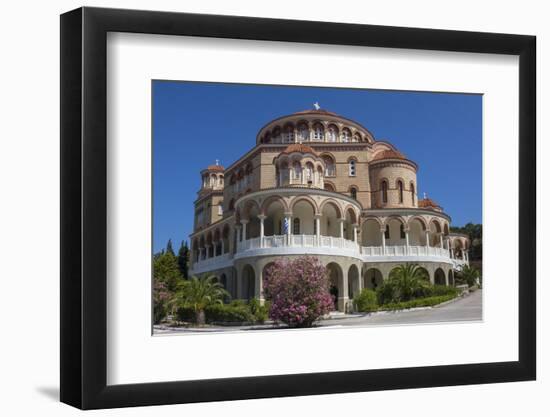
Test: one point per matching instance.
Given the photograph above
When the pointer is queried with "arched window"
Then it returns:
(303, 132)
(384, 187)
(356, 138)
(400, 190)
(309, 173)
(402, 231)
(296, 226)
(288, 136)
(328, 187)
(413, 193)
(330, 170)
(346, 135)
(332, 134)
(220, 180)
(232, 204)
(277, 135)
(297, 168)
(352, 167)
(353, 193)
(318, 132)
(387, 232)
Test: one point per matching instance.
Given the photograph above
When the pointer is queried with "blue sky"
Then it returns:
(196, 123)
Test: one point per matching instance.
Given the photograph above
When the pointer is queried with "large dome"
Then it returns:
(313, 125)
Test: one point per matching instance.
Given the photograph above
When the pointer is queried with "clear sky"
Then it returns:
(196, 123)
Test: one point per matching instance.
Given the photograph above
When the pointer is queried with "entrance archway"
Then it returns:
(439, 277)
(248, 281)
(336, 280)
(372, 278)
(353, 281)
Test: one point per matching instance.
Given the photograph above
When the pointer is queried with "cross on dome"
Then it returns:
(316, 105)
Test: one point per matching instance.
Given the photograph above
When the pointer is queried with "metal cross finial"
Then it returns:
(425, 195)
(316, 105)
(217, 161)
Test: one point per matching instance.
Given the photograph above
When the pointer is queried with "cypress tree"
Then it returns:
(183, 259)
(169, 248)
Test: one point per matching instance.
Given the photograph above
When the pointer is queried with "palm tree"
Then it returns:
(471, 275)
(199, 293)
(408, 281)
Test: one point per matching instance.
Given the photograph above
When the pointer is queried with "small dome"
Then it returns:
(218, 168)
(388, 154)
(299, 147)
(428, 203)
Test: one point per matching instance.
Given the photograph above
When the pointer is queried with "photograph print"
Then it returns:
(283, 207)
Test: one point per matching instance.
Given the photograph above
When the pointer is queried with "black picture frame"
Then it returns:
(84, 207)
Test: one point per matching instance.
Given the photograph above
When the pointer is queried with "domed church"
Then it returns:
(320, 184)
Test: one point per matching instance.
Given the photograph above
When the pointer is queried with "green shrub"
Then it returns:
(437, 290)
(259, 311)
(229, 313)
(366, 300)
(418, 302)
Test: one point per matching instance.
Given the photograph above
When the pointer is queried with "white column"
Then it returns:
(428, 238)
(289, 230)
(449, 248)
(341, 228)
(355, 233)
(318, 229)
(383, 231)
(200, 254)
(262, 218)
(467, 257)
(223, 247)
(462, 252)
(407, 240)
(243, 232)
(441, 240)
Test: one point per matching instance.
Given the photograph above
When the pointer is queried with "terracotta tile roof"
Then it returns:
(299, 147)
(428, 203)
(388, 154)
(219, 168)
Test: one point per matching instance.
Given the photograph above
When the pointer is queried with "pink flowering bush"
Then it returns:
(298, 290)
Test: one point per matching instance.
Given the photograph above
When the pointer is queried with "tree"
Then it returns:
(183, 259)
(475, 234)
(169, 248)
(199, 293)
(165, 269)
(470, 275)
(298, 290)
(405, 282)
(161, 298)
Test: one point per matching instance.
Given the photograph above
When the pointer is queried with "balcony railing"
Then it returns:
(404, 251)
(303, 241)
(210, 264)
(325, 245)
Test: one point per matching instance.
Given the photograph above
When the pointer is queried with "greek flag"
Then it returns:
(286, 225)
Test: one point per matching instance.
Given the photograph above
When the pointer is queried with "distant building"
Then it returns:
(320, 184)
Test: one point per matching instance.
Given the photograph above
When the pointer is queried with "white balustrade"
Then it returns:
(341, 244)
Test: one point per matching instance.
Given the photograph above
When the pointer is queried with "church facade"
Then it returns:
(320, 184)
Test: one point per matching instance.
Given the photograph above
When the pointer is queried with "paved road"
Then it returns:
(465, 309)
